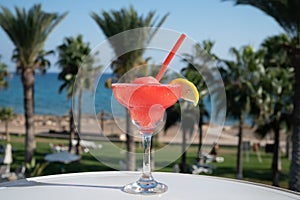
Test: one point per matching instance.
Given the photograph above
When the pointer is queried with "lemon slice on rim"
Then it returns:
(189, 91)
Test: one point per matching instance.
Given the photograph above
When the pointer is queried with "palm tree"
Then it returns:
(287, 14)
(72, 55)
(3, 74)
(112, 23)
(83, 84)
(6, 115)
(276, 56)
(240, 77)
(274, 99)
(275, 95)
(28, 30)
(199, 59)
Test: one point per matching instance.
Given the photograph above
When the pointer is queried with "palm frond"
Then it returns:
(117, 21)
(4, 74)
(28, 30)
(285, 12)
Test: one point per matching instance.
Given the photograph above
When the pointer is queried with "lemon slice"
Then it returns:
(189, 91)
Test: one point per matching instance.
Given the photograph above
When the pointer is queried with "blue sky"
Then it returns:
(222, 22)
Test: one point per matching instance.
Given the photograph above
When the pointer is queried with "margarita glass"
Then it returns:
(147, 99)
(146, 103)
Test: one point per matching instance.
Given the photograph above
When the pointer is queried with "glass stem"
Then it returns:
(146, 139)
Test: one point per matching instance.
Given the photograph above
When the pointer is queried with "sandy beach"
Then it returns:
(50, 124)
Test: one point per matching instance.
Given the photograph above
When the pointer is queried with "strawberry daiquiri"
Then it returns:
(146, 100)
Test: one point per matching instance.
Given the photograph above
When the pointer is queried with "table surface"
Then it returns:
(108, 185)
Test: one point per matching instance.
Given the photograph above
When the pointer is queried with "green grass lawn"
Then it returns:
(253, 170)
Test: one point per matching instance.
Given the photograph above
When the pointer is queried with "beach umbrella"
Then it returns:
(8, 155)
(62, 157)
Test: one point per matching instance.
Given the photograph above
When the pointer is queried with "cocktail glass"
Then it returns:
(147, 99)
(146, 104)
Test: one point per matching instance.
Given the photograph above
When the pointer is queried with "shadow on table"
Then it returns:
(29, 183)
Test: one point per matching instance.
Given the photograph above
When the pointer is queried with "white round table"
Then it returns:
(108, 185)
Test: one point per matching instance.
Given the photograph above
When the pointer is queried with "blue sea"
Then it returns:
(48, 100)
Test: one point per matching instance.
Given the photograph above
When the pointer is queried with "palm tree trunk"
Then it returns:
(154, 143)
(102, 121)
(33, 100)
(294, 180)
(275, 161)
(78, 148)
(27, 78)
(239, 163)
(199, 153)
(130, 145)
(183, 150)
(72, 130)
(7, 132)
(288, 146)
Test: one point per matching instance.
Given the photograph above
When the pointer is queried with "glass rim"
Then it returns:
(146, 84)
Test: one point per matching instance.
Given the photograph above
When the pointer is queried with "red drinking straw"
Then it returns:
(170, 57)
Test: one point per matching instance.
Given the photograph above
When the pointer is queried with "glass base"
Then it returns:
(145, 187)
